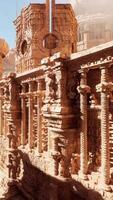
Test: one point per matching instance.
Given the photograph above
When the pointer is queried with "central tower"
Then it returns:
(41, 31)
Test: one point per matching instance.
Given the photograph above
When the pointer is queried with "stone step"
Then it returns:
(111, 136)
(94, 177)
(111, 133)
(111, 150)
(110, 121)
(111, 141)
(110, 147)
(111, 129)
(111, 126)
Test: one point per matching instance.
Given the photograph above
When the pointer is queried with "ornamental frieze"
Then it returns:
(104, 87)
(83, 89)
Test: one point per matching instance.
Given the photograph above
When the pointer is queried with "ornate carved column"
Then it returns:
(55, 154)
(65, 158)
(11, 96)
(83, 89)
(23, 121)
(30, 116)
(1, 116)
(13, 153)
(104, 89)
(39, 116)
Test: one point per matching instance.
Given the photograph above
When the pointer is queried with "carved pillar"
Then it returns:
(1, 116)
(10, 108)
(12, 153)
(23, 121)
(30, 116)
(104, 88)
(83, 90)
(65, 156)
(39, 116)
(5, 124)
(55, 154)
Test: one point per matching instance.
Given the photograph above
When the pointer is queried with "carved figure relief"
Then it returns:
(52, 86)
(73, 82)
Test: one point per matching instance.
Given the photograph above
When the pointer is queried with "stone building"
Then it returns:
(95, 23)
(94, 29)
(56, 111)
(32, 34)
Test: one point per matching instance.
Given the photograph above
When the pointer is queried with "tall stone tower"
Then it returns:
(33, 38)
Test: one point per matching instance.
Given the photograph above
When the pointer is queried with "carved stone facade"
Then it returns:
(58, 123)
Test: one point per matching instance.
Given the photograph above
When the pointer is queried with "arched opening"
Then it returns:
(24, 47)
(50, 41)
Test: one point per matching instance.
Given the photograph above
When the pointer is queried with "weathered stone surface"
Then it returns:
(56, 120)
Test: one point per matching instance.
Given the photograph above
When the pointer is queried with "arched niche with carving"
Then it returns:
(24, 47)
(50, 41)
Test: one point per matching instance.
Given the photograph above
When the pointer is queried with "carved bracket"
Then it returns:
(105, 87)
(83, 89)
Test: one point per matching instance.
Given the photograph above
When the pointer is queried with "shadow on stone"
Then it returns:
(36, 185)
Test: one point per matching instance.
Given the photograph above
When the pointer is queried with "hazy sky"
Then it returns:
(8, 9)
(92, 6)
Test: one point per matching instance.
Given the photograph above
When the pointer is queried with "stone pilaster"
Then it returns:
(10, 111)
(55, 154)
(23, 120)
(83, 89)
(30, 116)
(39, 116)
(12, 151)
(1, 117)
(104, 89)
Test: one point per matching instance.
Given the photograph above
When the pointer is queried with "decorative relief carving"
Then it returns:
(52, 86)
(73, 82)
(44, 134)
(83, 89)
(104, 87)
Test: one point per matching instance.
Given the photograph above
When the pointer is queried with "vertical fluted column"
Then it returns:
(39, 116)
(103, 87)
(30, 116)
(23, 121)
(5, 124)
(10, 99)
(83, 90)
(1, 116)
(55, 155)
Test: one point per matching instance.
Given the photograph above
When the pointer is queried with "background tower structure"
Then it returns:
(32, 29)
(3, 51)
(95, 23)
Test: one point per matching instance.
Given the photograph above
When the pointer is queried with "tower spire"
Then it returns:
(50, 16)
(50, 4)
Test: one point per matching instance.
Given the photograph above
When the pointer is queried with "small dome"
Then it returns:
(4, 48)
(92, 7)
